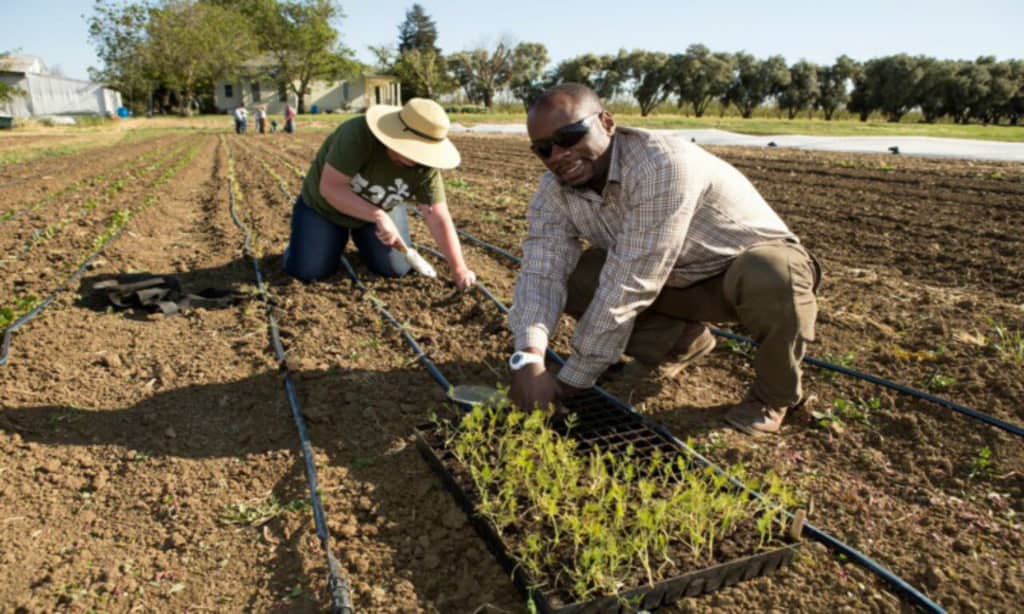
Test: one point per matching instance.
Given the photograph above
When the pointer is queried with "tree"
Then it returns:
(803, 88)
(118, 33)
(529, 61)
(7, 91)
(646, 75)
(418, 31)
(890, 84)
(303, 43)
(191, 45)
(832, 85)
(755, 81)
(700, 76)
(422, 71)
(596, 72)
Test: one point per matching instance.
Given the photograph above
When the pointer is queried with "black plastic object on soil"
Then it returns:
(607, 425)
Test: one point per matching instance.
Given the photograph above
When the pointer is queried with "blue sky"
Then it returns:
(815, 30)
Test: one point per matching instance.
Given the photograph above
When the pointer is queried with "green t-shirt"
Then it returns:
(353, 150)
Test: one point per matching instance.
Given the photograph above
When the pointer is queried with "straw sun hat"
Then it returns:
(418, 131)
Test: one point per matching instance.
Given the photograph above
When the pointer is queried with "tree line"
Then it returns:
(181, 47)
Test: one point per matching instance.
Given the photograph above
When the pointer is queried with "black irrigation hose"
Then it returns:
(920, 394)
(907, 390)
(341, 602)
(5, 346)
(900, 586)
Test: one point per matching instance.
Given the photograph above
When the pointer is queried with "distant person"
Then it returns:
(241, 119)
(676, 238)
(261, 119)
(289, 119)
(363, 176)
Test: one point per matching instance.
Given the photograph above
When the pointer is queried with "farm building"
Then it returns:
(356, 94)
(46, 94)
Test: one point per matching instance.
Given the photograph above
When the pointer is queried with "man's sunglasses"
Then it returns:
(564, 137)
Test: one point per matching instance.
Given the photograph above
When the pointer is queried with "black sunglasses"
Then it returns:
(564, 137)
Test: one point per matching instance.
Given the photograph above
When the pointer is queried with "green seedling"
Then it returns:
(457, 183)
(1009, 345)
(738, 347)
(857, 410)
(982, 464)
(829, 420)
(998, 176)
(847, 361)
(586, 520)
(937, 382)
(263, 511)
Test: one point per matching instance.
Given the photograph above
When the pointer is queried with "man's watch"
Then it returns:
(520, 359)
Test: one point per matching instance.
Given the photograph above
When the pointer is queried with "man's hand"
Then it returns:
(464, 279)
(385, 229)
(532, 386)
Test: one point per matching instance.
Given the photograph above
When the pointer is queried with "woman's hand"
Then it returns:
(464, 278)
(386, 230)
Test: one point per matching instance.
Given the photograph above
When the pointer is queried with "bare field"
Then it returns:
(151, 463)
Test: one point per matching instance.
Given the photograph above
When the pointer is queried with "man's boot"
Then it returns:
(695, 342)
(758, 419)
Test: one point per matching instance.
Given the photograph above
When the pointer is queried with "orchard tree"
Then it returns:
(596, 72)
(528, 63)
(645, 74)
(699, 76)
(418, 31)
(803, 89)
(755, 81)
(890, 84)
(833, 91)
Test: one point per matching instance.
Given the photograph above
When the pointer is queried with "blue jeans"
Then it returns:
(316, 243)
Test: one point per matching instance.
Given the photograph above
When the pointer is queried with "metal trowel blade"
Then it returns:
(473, 395)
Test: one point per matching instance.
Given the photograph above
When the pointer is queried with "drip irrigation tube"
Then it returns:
(899, 585)
(341, 602)
(907, 390)
(920, 394)
(5, 346)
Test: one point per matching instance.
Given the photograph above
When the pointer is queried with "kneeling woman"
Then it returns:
(362, 177)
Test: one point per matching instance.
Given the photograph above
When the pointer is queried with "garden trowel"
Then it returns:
(470, 394)
(417, 262)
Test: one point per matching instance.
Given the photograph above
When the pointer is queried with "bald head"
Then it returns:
(573, 95)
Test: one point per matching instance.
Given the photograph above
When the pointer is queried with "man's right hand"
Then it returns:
(533, 386)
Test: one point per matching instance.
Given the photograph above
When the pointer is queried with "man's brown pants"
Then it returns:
(769, 289)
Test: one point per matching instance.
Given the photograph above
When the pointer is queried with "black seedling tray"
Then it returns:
(604, 423)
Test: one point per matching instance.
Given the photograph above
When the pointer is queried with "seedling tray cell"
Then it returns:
(602, 423)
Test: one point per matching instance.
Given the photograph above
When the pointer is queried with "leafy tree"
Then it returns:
(528, 62)
(803, 88)
(935, 87)
(481, 72)
(700, 76)
(118, 33)
(300, 38)
(1014, 107)
(891, 85)
(755, 81)
(647, 77)
(422, 71)
(597, 72)
(7, 91)
(832, 85)
(190, 45)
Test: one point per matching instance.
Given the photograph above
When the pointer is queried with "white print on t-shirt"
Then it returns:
(386, 199)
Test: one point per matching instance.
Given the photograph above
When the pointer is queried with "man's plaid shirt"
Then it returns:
(671, 214)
